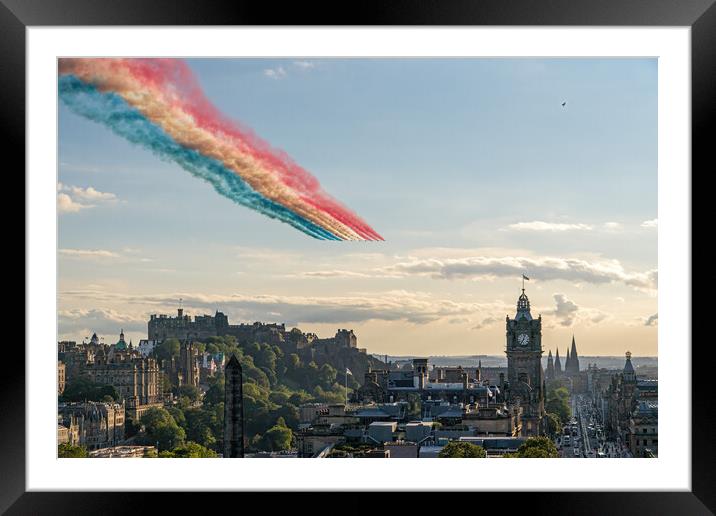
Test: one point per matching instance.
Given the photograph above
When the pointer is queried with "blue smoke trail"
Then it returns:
(114, 112)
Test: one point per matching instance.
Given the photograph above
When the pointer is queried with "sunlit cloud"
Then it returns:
(65, 204)
(539, 225)
(88, 253)
(72, 199)
(539, 268)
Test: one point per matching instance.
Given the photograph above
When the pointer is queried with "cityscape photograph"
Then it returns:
(310, 257)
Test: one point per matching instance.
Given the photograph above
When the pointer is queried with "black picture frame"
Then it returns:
(700, 15)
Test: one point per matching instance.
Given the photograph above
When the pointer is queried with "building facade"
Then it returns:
(90, 424)
(525, 376)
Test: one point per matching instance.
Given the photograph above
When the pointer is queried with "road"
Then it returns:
(587, 435)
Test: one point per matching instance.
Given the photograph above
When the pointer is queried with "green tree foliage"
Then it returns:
(327, 376)
(554, 424)
(275, 384)
(461, 449)
(189, 391)
(161, 428)
(277, 438)
(538, 447)
(68, 451)
(84, 389)
(558, 403)
(167, 349)
(189, 450)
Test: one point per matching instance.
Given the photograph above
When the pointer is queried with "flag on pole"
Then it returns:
(348, 371)
(525, 277)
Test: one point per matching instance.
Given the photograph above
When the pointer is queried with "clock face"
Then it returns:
(523, 339)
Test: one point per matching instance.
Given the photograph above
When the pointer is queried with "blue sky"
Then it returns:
(469, 163)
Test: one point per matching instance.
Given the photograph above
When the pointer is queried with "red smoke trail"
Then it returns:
(174, 76)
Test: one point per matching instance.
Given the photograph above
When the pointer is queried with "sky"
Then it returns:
(471, 170)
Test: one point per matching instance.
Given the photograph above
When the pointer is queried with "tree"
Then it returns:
(558, 403)
(160, 427)
(190, 391)
(538, 447)
(68, 451)
(166, 383)
(554, 424)
(462, 449)
(191, 450)
(278, 437)
(167, 349)
(84, 389)
(327, 376)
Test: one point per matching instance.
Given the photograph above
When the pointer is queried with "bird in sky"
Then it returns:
(564, 103)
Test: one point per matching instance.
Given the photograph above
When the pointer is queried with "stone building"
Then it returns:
(136, 379)
(557, 365)
(452, 384)
(550, 366)
(572, 366)
(643, 433)
(90, 424)
(631, 410)
(525, 376)
(60, 377)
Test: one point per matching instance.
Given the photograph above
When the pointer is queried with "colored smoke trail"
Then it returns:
(157, 103)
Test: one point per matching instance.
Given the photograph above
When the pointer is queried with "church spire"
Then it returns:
(550, 365)
(574, 358)
(557, 364)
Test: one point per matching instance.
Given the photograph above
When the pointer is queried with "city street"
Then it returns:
(584, 435)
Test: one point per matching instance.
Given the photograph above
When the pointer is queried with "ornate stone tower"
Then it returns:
(233, 410)
(524, 366)
(550, 366)
(557, 365)
(574, 359)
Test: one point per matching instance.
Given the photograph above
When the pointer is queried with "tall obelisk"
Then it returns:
(233, 410)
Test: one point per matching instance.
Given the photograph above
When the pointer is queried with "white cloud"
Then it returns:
(650, 223)
(88, 253)
(565, 310)
(80, 323)
(275, 73)
(305, 65)
(70, 198)
(413, 307)
(90, 194)
(613, 226)
(651, 320)
(538, 268)
(539, 225)
(567, 313)
(65, 204)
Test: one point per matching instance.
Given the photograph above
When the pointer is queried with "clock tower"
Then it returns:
(526, 381)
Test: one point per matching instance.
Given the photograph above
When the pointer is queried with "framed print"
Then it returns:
(439, 232)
